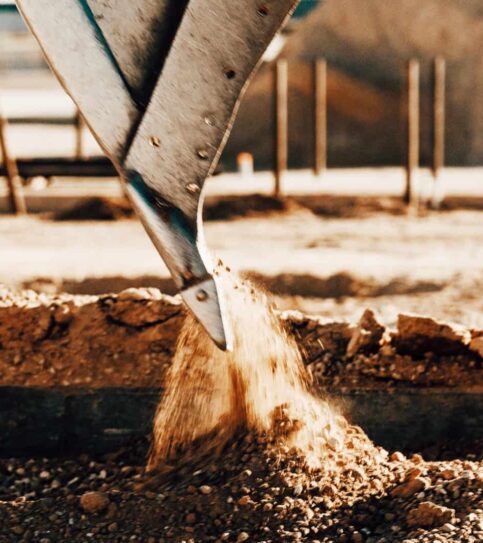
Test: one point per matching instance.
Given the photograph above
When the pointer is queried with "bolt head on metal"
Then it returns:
(154, 141)
(192, 188)
(201, 295)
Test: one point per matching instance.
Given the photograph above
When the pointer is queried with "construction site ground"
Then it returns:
(333, 256)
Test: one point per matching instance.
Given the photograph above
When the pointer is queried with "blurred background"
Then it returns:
(352, 175)
(366, 46)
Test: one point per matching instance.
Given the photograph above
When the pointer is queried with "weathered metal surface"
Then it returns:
(139, 35)
(184, 130)
(84, 66)
(215, 51)
(58, 421)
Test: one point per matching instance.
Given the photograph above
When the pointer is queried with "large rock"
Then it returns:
(367, 336)
(429, 515)
(419, 335)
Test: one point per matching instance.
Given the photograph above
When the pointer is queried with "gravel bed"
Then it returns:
(249, 493)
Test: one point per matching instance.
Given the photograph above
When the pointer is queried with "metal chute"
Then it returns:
(159, 82)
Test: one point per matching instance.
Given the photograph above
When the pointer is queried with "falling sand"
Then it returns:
(262, 387)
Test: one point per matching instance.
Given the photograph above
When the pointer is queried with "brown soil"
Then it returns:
(129, 339)
(261, 387)
(306, 285)
(242, 451)
(339, 285)
(389, 263)
(331, 206)
(233, 207)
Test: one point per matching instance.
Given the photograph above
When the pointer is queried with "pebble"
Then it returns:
(191, 518)
(397, 457)
(409, 488)
(414, 473)
(320, 511)
(448, 527)
(428, 514)
(113, 527)
(417, 459)
(244, 500)
(448, 474)
(205, 489)
(357, 537)
(94, 502)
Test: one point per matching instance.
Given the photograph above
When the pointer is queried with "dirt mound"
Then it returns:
(225, 208)
(339, 285)
(341, 206)
(335, 286)
(97, 209)
(455, 203)
(243, 451)
(215, 208)
(93, 286)
(129, 339)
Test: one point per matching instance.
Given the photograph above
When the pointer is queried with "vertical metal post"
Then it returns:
(412, 128)
(15, 192)
(439, 115)
(320, 112)
(79, 129)
(281, 122)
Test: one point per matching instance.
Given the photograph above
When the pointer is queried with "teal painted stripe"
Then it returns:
(167, 213)
(305, 7)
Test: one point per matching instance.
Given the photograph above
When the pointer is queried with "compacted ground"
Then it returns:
(128, 340)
